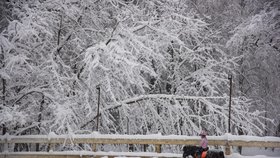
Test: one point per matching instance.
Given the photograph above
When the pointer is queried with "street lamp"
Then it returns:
(98, 103)
(229, 108)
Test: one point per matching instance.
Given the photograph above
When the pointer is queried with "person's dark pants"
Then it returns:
(200, 150)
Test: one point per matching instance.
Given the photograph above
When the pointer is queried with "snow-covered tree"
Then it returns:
(56, 53)
(193, 66)
(257, 41)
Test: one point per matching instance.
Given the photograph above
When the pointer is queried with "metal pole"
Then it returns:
(227, 149)
(127, 125)
(229, 110)
(98, 103)
(130, 146)
(4, 130)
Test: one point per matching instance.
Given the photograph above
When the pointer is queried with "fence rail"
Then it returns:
(95, 139)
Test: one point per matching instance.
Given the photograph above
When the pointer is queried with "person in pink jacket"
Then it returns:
(203, 141)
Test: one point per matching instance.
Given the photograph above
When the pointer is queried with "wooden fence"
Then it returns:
(7, 143)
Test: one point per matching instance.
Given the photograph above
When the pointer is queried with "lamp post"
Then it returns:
(98, 103)
(229, 108)
(227, 149)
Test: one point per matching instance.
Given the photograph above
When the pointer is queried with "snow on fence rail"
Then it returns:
(157, 140)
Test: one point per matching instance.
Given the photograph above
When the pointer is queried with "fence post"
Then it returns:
(50, 146)
(227, 149)
(158, 148)
(93, 147)
(6, 145)
(145, 147)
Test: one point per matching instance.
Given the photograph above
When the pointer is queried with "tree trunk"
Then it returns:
(2, 64)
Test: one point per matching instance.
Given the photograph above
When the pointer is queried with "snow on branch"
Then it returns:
(165, 96)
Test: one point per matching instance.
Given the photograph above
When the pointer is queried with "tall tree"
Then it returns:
(57, 52)
(256, 39)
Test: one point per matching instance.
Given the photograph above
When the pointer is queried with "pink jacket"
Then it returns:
(204, 143)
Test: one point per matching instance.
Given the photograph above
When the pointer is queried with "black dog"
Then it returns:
(192, 150)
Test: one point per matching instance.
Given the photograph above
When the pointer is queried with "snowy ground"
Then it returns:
(249, 153)
(256, 156)
(258, 153)
(239, 156)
